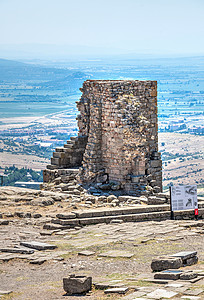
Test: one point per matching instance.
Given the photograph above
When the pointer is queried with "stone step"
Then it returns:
(125, 215)
(189, 214)
(122, 211)
(55, 161)
(129, 211)
(69, 171)
(70, 142)
(57, 154)
(59, 149)
(51, 167)
(154, 216)
(69, 146)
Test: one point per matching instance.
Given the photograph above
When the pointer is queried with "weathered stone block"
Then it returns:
(191, 261)
(77, 284)
(188, 275)
(164, 263)
(168, 275)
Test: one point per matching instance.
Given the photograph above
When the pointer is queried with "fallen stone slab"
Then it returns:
(147, 240)
(191, 261)
(55, 227)
(188, 257)
(191, 297)
(5, 292)
(7, 257)
(174, 285)
(135, 295)
(77, 284)
(161, 293)
(4, 222)
(17, 250)
(39, 261)
(119, 290)
(157, 281)
(188, 275)
(184, 254)
(194, 280)
(107, 285)
(66, 216)
(164, 263)
(86, 253)
(117, 253)
(44, 233)
(38, 245)
(66, 222)
(168, 274)
(194, 292)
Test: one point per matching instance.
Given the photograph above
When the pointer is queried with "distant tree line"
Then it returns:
(13, 174)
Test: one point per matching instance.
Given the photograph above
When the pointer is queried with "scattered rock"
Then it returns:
(168, 275)
(194, 292)
(17, 250)
(120, 290)
(188, 257)
(37, 216)
(117, 253)
(5, 292)
(161, 293)
(4, 222)
(38, 261)
(164, 263)
(86, 253)
(66, 216)
(77, 284)
(188, 275)
(38, 245)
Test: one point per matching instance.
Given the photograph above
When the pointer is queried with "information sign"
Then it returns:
(183, 197)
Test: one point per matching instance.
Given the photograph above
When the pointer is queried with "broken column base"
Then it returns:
(77, 284)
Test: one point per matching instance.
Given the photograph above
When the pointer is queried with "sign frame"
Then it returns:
(183, 197)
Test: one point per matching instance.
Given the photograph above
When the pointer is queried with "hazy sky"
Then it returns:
(137, 26)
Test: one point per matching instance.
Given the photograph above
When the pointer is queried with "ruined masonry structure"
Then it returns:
(117, 142)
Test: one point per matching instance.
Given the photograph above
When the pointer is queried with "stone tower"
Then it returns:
(118, 136)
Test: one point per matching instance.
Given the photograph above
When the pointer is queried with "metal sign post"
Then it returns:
(172, 212)
(2, 179)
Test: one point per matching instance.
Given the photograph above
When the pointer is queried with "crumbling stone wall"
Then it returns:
(122, 133)
(118, 126)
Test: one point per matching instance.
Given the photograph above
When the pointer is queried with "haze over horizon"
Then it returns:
(64, 28)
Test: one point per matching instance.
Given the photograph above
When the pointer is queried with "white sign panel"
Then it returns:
(184, 197)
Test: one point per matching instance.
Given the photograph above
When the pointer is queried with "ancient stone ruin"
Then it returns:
(117, 143)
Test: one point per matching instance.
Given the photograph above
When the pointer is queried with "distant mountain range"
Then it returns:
(45, 77)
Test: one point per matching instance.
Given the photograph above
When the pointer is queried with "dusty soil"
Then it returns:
(187, 165)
